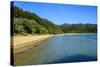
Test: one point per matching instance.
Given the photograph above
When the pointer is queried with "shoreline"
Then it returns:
(75, 33)
(23, 43)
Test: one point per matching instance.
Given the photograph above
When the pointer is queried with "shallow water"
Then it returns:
(61, 49)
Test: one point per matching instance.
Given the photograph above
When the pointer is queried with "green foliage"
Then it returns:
(28, 26)
(25, 22)
(18, 27)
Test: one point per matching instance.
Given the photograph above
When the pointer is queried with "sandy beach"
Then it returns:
(22, 43)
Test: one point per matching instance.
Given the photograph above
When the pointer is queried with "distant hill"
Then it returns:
(25, 22)
(79, 28)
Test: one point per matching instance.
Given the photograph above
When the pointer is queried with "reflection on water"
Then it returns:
(61, 48)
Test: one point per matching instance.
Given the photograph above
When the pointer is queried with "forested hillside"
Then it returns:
(79, 28)
(25, 22)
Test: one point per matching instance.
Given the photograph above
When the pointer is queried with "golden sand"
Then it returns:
(22, 43)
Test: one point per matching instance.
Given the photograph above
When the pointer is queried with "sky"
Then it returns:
(61, 13)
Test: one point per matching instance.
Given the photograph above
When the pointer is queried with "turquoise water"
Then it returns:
(65, 48)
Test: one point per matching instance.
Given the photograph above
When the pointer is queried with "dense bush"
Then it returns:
(23, 25)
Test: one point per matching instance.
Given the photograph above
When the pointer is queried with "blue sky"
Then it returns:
(61, 13)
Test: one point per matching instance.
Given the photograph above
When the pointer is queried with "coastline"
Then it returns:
(75, 33)
(23, 43)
